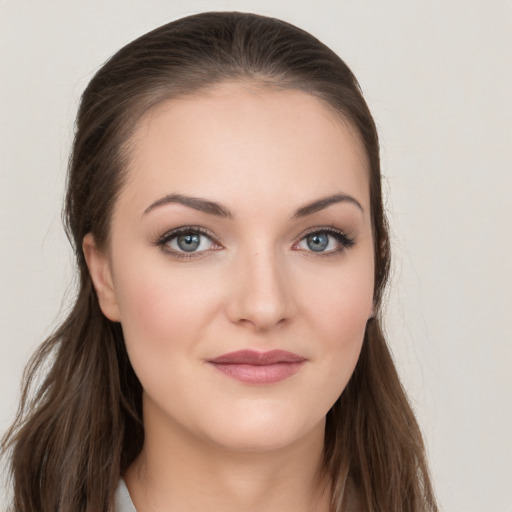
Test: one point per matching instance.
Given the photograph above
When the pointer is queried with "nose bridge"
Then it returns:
(261, 294)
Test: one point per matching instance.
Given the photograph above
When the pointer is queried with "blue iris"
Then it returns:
(317, 241)
(189, 242)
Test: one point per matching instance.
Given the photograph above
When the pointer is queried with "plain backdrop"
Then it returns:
(437, 75)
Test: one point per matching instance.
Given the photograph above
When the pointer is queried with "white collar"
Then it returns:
(122, 500)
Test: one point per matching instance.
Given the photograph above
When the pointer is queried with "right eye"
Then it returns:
(187, 242)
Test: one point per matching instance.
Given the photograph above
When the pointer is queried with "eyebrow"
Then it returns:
(197, 203)
(323, 203)
(217, 209)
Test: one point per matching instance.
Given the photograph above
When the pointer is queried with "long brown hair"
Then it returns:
(79, 425)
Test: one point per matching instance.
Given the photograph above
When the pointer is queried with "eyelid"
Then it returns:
(163, 240)
(346, 241)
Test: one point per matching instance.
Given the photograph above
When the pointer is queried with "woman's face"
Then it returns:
(240, 264)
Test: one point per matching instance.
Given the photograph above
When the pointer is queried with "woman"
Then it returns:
(225, 349)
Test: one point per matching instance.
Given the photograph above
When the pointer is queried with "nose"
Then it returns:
(261, 295)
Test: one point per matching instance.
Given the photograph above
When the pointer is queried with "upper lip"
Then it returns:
(256, 358)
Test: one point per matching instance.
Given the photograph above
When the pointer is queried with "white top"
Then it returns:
(122, 501)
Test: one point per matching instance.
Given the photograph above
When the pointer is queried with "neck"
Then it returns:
(180, 472)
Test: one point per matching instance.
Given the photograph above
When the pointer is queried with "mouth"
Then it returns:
(254, 367)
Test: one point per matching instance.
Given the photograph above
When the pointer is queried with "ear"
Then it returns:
(373, 311)
(101, 276)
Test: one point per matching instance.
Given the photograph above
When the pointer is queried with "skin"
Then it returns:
(263, 154)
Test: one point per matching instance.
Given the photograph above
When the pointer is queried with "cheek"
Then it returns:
(339, 313)
(161, 311)
(342, 300)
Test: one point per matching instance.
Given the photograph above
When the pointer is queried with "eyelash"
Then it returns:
(164, 240)
(345, 241)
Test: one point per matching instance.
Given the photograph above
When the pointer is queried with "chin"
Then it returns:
(263, 432)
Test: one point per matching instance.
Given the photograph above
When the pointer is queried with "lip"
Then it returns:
(255, 367)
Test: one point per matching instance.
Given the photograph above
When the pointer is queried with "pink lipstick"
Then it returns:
(258, 367)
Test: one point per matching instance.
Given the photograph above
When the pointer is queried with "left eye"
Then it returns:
(325, 241)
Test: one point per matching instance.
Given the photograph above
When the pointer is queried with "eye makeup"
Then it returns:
(324, 241)
(187, 242)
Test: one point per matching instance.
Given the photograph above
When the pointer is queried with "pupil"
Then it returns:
(318, 242)
(188, 243)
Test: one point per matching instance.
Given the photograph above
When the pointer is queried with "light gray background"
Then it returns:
(438, 76)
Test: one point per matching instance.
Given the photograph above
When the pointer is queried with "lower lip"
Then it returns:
(259, 374)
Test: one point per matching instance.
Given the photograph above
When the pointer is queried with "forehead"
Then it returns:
(239, 138)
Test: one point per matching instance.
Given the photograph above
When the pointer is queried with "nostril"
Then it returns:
(260, 315)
